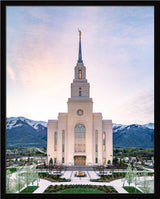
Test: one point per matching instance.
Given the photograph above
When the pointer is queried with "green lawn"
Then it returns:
(131, 189)
(29, 189)
(12, 170)
(80, 190)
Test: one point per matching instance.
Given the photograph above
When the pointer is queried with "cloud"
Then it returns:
(42, 50)
(11, 73)
(138, 108)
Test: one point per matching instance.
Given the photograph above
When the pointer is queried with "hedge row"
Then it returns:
(29, 189)
(108, 178)
(12, 170)
(53, 178)
(56, 188)
(131, 189)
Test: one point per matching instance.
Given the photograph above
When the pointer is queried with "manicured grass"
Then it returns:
(29, 189)
(131, 189)
(80, 190)
(12, 170)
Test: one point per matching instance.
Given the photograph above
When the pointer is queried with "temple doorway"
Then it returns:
(79, 160)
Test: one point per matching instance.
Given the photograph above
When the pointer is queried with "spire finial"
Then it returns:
(80, 51)
(79, 33)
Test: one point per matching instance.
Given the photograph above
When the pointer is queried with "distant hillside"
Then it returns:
(25, 132)
(133, 136)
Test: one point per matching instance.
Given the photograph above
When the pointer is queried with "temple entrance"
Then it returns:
(79, 160)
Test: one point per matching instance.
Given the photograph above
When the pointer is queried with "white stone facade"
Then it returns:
(71, 140)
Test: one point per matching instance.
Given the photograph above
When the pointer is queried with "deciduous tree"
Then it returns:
(129, 175)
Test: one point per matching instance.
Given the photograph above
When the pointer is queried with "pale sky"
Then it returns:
(117, 50)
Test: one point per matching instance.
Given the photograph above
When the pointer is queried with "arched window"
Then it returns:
(104, 141)
(80, 74)
(80, 132)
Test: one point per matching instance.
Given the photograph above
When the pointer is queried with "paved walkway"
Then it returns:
(43, 184)
(117, 184)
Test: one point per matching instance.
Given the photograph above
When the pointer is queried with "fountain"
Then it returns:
(80, 174)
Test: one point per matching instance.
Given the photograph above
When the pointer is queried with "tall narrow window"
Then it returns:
(80, 74)
(96, 146)
(55, 141)
(63, 140)
(96, 141)
(80, 92)
(104, 141)
(80, 138)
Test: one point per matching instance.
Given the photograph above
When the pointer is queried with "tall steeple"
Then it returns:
(80, 50)
(80, 88)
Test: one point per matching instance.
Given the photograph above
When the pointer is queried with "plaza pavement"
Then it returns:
(117, 184)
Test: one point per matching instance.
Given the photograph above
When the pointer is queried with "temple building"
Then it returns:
(79, 136)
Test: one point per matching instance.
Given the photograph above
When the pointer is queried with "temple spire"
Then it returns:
(80, 51)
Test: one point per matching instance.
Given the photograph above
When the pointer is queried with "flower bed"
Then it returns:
(108, 178)
(53, 178)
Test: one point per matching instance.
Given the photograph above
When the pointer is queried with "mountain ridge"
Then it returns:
(25, 132)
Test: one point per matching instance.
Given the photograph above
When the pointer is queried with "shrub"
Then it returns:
(56, 188)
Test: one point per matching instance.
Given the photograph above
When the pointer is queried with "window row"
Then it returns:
(104, 160)
(103, 142)
(79, 147)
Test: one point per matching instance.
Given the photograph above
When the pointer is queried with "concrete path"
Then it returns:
(93, 175)
(67, 174)
(43, 184)
(117, 184)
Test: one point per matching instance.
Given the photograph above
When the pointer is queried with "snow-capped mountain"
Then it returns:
(13, 122)
(149, 125)
(133, 135)
(25, 132)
